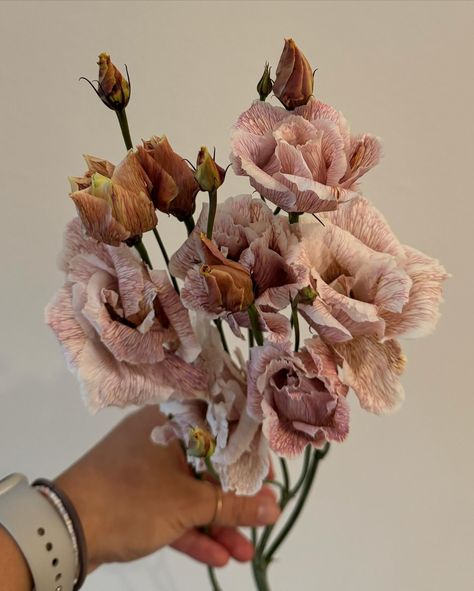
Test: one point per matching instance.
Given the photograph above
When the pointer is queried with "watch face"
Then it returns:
(11, 481)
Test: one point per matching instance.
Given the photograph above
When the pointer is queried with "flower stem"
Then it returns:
(142, 251)
(296, 323)
(293, 217)
(212, 212)
(218, 323)
(276, 211)
(253, 317)
(189, 223)
(259, 569)
(308, 482)
(212, 576)
(165, 257)
(123, 122)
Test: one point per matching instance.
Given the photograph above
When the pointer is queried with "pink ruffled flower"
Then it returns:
(303, 161)
(123, 329)
(298, 396)
(370, 289)
(245, 232)
(241, 457)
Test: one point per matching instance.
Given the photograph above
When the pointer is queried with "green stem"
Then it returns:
(259, 569)
(276, 211)
(218, 323)
(251, 339)
(296, 323)
(317, 456)
(212, 212)
(299, 483)
(211, 470)
(123, 122)
(165, 257)
(189, 223)
(253, 317)
(142, 251)
(213, 579)
(293, 217)
(286, 474)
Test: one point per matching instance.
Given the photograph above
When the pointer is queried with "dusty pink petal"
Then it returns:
(320, 363)
(201, 293)
(319, 317)
(255, 148)
(316, 110)
(260, 118)
(177, 315)
(360, 218)
(130, 277)
(420, 315)
(96, 215)
(269, 186)
(166, 433)
(107, 382)
(372, 369)
(295, 130)
(61, 317)
(365, 153)
(276, 327)
(291, 160)
(75, 243)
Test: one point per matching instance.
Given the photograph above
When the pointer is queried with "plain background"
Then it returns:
(392, 508)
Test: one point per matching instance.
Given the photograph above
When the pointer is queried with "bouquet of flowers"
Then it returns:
(305, 247)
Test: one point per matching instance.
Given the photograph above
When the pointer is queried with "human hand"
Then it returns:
(134, 497)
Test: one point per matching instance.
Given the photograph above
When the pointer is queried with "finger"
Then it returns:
(260, 509)
(238, 545)
(202, 548)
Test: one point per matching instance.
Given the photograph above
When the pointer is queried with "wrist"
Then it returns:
(16, 575)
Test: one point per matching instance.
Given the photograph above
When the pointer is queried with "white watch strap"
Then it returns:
(40, 533)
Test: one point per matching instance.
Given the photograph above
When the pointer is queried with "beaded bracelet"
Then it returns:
(72, 522)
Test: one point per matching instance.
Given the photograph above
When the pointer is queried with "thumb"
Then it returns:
(235, 510)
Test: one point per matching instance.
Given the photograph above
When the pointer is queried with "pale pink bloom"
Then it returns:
(123, 329)
(246, 232)
(298, 396)
(303, 161)
(241, 456)
(370, 289)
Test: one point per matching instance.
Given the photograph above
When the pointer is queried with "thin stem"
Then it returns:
(317, 456)
(211, 470)
(293, 217)
(212, 212)
(286, 475)
(253, 317)
(189, 223)
(304, 468)
(253, 533)
(165, 257)
(276, 211)
(142, 251)
(259, 570)
(122, 117)
(220, 328)
(212, 576)
(251, 339)
(296, 323)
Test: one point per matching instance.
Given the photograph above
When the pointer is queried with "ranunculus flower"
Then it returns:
(294, 79)
(247, 233)
(298, 396)
(122, 327)
(303, 161)
(174, 187)
(113, 89)
(118, 208)
(371, 289)
(241, 454)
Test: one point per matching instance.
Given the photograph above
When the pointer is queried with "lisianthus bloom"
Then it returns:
(116, 208)
(370, 290)
(303, 161)
(122, 327)
(174, 187)
(298, 396)
(240, 456)
(294, 79)
(249, 237)
(113, 89)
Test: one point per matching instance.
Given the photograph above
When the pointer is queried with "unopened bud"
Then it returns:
(265, 85)
(208, 175)
(201, 443)
(113, 89)
(307, 295)
(294, 79)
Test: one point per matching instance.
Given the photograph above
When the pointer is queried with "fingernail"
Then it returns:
(268, 512)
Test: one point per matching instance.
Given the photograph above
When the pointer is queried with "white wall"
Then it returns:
(392, 508)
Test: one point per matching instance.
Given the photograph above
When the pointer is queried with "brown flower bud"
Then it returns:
(306, 295)
(116, 209)
(201, 443)
(208, 175)
(294, 79)
(265, 84)
(113, 89)
(229, 283)
(174, 187)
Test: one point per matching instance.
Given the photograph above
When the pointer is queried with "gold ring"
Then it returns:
(219, 503)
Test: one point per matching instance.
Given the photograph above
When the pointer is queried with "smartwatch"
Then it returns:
(40, 533)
